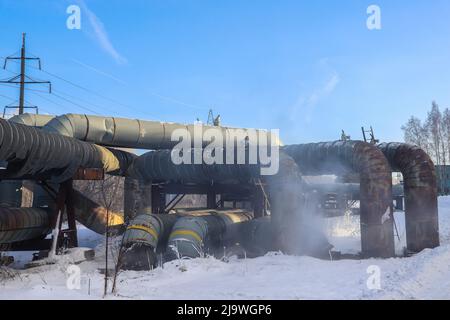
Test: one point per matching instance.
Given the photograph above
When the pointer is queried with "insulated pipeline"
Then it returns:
(94, 216)
(421, 208)
(143, 236)
(32, 120)
(158, 165)
(32, 152)
(341, 157)
(19, 224)
(192, 237)
(134, 133)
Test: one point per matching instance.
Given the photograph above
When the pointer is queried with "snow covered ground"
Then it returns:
(274, 276)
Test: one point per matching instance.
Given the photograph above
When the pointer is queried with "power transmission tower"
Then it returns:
(22, 78)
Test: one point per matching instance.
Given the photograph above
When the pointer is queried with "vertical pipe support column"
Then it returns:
(211, 199)
(137, 198)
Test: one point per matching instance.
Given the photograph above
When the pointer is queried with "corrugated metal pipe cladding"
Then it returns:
(31, 152)
(33, 120)
(193, 237)
(19, 224)
(158, 165)
(377, 236)
(420, 188)
(144, 236)
(127, 133)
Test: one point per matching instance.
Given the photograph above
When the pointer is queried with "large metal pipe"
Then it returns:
(284, 188)
(20, 224)
(377, 236)
(421, 205)
(11, 191)
(93, 216)
(32, 120)
(255, 236)
(194, 236)
(131, 133)
(158, 165)
(144, 235)
(31, 152)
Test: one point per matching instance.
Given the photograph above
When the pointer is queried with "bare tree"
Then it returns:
(434, 127)
(109, 189)
(446, 131)
(415, 133)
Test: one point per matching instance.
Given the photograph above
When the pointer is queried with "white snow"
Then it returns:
(274, 276)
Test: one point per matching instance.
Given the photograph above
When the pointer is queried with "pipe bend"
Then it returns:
(193, 236)
(33, 120)
(420, 188)
(141, 239)
(341, 157)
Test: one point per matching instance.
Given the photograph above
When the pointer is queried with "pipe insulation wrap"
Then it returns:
(32, 120)
(158, 165)
(192, 237)
(377, 236)
(33, 152)
(94, 216)
(19, 224)
(143, 236)
(132, 133)
(420, 184)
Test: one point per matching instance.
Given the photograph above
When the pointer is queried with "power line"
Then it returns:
(74, 103)
(82, 100)
(6, 97)
(170, 99)
(27, 89)
(116, 101)
(86, 89)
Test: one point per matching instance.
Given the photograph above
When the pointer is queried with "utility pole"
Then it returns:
(22, 75)
(22, 78)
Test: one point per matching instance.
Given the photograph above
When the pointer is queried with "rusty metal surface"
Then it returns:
(89, 174)
(420, 184)
(341, 157)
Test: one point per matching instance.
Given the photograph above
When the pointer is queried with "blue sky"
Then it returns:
(309, 68)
